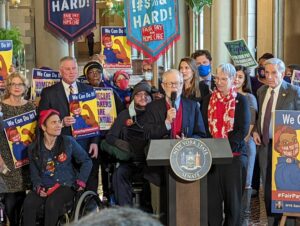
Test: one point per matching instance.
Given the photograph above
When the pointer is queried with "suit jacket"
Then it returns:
(55, 97)
(204, 88)
(288, 99)
(156, 113)
(240, 126)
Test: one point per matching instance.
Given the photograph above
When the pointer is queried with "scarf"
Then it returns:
(220, 124)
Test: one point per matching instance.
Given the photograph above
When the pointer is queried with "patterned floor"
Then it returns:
(258, 214)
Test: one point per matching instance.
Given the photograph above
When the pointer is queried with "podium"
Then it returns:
(186, 201)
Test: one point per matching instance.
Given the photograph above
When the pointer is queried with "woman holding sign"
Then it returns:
(15, 179)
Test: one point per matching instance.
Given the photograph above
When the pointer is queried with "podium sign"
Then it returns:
(190, 159)
(187, 200)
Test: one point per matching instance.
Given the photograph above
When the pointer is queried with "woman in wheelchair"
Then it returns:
(54, 177)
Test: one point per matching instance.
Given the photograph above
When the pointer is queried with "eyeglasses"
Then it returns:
(17, 85)
(223, 80)
(173, 84)
(141, 95)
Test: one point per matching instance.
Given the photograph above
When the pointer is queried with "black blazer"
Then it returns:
(55, 97)
(241, 123)
(204, 88)
(156, 113)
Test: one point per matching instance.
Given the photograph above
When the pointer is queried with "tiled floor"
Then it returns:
(258, 214)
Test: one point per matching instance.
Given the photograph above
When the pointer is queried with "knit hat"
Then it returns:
(45, 114)
(118, 73)
(141, 86)
(90, 65)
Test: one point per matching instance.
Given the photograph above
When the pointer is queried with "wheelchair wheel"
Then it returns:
(87, 203)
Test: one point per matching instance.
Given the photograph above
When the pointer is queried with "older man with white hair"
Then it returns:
(276, 94)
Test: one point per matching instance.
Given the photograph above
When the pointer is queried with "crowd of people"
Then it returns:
(192, 102)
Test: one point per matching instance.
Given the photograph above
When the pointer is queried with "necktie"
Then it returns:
(71, 89)
(267, 119)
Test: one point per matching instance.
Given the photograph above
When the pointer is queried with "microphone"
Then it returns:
(173, 98)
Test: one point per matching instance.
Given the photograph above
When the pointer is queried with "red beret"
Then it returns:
(45, 114)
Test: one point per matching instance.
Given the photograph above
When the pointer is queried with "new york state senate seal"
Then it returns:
(190, 159)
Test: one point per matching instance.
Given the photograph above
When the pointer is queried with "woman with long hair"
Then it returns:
(189, 71)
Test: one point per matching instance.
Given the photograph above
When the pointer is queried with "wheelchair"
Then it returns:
(83, 203)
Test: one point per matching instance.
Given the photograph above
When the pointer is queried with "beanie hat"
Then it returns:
(141, 86)
(90, 65)
(118, 73)
(45, 114)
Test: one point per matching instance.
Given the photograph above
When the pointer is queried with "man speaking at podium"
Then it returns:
(172, 117)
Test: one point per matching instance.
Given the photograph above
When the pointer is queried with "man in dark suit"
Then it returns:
(276, 94)
(57, 97)
(203, 59)
(183, 119)
(164, 119)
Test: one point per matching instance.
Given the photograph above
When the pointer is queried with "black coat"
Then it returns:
(55, 97)
(156, 113)
(241, 123)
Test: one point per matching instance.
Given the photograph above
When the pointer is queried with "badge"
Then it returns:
(62, 157)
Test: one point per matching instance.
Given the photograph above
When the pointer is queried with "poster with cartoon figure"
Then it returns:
(296, 78)
(20, 132)
(285, 162)
(83, 107)
(114, 47)
(106, 107)
(42, 79)
(6, 54)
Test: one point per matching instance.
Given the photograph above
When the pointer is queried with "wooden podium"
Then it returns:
(187, 201)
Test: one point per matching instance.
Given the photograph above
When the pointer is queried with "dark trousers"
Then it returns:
(53, 205)
(256, 174)
(122, 179)
(92, 182)
(225, 185)
(13, 203)
(91, 48)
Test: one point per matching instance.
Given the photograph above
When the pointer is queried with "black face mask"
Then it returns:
(260, 71)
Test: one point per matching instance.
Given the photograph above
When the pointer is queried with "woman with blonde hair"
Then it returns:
(16, 180)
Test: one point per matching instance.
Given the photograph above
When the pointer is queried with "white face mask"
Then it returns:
(148, 75)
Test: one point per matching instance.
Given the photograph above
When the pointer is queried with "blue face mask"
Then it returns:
(287, 79)
(204, 70)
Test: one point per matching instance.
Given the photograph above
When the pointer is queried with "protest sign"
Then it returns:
(106, 107)
(42, 79)
(115, 48)
(83, 107)
(240, 54)
(6, 54)
(285, 162)
(152, 26)
(20, 132)
(70, 19)
(296, 78)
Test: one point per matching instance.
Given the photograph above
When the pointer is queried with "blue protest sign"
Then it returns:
(152, 25)
(70, 19)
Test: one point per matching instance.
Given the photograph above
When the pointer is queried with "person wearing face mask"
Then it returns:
(121, 86)
(203, 60)
(148, 77)
(127, 135)
(289, 72)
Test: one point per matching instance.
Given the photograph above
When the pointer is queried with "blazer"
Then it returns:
(55, 97)
(204, 88)
(240, 126)
(288, 99)
(156, 113)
